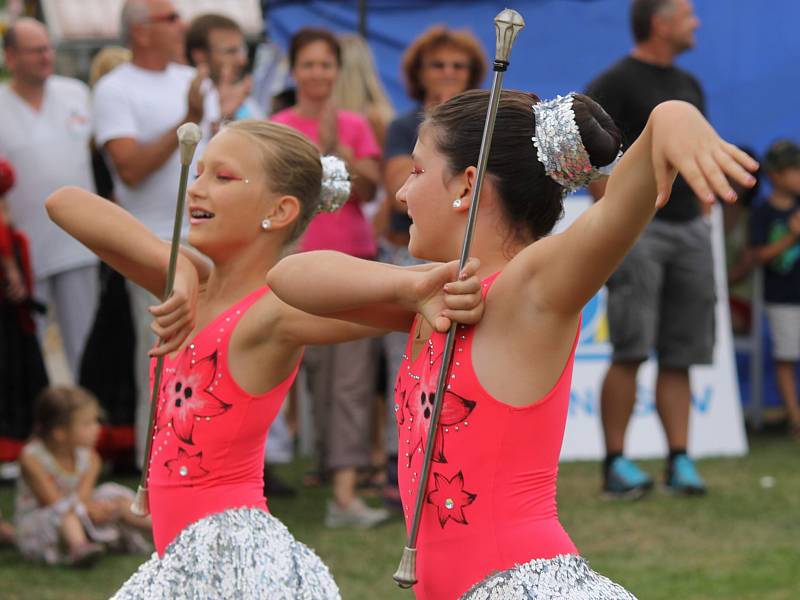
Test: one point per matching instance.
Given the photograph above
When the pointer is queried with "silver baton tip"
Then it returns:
(189, 135)
(507, 25)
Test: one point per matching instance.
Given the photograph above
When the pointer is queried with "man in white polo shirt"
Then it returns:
(137, 109)
(45, 127)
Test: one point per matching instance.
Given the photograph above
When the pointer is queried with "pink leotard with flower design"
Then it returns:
(208, 447)
(491, 495)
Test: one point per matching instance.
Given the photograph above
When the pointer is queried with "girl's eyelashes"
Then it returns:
(221, 176)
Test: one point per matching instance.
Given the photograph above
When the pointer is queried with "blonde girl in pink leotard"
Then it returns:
(490, 525)
(232, 351)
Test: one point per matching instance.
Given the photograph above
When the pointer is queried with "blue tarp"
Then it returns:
(747, 55)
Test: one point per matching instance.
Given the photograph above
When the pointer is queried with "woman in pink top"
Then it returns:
(490, 525)
(258, 185)
(342, 378)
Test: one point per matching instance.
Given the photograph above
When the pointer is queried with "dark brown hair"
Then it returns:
(642, 13)
(440, 37)
(308, 35)
(532, 201)
(56, 405)
(200, 28)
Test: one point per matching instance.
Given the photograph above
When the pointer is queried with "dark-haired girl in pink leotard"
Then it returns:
(490, 527)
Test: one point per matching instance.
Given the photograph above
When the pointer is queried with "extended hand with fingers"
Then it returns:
(175, 318)
(444, 295)
(683, 141)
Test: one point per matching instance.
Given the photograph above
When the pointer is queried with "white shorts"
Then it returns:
(784, 325)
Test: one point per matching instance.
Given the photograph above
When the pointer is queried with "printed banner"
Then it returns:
(716, 427)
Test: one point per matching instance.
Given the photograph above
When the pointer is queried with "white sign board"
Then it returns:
(716, 427)
(99, 19)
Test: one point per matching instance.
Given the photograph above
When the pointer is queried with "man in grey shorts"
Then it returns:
(662, 296)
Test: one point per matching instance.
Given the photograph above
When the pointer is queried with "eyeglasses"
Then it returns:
(36, 50)
(172, 17)
(440, 65)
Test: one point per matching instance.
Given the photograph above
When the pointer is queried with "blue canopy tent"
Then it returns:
(746, 59)
(746, 56)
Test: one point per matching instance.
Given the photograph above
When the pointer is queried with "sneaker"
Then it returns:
(683, 478)
(624, 479)
(357, 515)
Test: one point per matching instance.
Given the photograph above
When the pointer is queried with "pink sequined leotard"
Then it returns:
(208, 447)
(491, 495)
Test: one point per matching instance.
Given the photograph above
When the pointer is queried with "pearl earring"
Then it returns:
(457, 203)
(266, 224)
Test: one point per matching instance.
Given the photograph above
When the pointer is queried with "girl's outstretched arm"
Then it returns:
(570, 267)
(116, 237)
(130, 248)
(335, 285)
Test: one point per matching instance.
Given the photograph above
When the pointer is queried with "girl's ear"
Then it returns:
(468, 180)
(284, 212)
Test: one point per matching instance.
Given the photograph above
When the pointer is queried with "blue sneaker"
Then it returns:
(683, 478)
(623, 479)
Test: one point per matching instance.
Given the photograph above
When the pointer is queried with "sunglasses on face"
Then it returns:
(441, 65)
(172, 17)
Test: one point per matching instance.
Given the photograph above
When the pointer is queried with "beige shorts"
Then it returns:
(784, 325)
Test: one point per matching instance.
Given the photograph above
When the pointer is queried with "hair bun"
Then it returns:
(601, 136)
(566, 139)
(335, 184)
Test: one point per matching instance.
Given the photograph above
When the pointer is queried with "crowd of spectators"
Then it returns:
(119, 138)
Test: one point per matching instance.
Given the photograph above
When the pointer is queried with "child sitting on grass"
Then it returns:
(62, 516)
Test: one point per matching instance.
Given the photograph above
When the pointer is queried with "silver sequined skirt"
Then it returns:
(239, 554)
(565, 577)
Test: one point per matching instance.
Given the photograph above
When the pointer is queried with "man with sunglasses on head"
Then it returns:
(137, 109)
(45, 127)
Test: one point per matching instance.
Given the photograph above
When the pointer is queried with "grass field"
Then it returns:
(740, 542)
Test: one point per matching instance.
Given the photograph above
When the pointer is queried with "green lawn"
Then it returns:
(742, 541)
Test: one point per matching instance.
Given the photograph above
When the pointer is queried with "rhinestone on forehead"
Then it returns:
(559, 146)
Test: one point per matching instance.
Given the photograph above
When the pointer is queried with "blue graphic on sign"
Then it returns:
(586, 401)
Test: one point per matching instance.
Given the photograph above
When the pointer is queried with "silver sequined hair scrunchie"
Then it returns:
(335, 184)
(559, 146)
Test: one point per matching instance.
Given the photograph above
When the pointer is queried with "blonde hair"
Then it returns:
(358, 87)
(106, 61)
(56, 405)
(291, 162)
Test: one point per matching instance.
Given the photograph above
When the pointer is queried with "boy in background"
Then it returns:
(775, 237)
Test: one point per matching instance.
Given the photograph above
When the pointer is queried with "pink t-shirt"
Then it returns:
(346, 230)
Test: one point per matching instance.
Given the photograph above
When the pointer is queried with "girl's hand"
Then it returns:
(683, 141)
(102, 511)
(444, 295)
(329, 129)
(175, 318)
